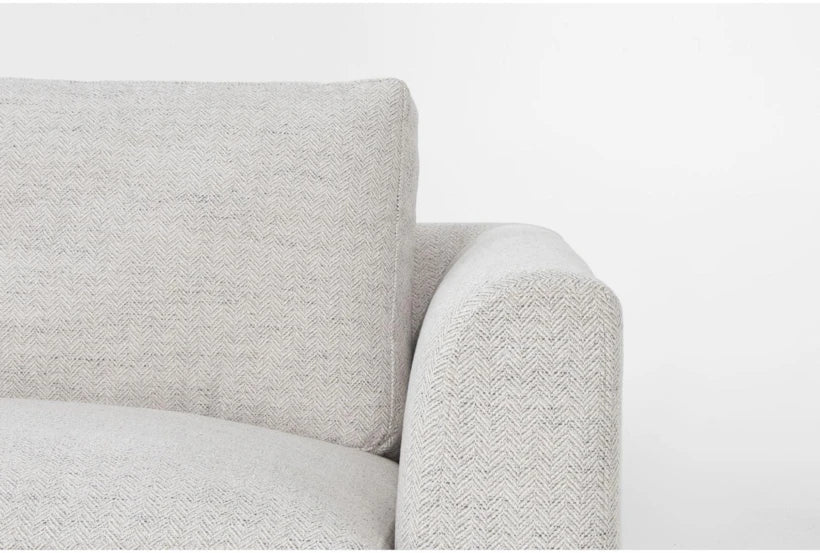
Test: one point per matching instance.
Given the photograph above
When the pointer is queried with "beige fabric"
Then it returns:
(239, 250)
(103, 477)
(512, 420)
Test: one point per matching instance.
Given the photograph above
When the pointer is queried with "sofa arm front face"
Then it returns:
(511, 429)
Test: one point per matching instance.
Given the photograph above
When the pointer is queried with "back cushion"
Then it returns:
(235, 250)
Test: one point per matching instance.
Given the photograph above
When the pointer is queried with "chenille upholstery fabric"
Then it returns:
(237, 250)
(511, 427)
(105, 477)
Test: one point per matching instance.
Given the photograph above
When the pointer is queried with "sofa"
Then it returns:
(221, 327)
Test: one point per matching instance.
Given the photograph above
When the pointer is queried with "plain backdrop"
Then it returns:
(677, 149)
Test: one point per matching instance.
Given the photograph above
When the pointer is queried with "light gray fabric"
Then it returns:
(239, 250)
(438, 245)
(105, 477)
(511, 426)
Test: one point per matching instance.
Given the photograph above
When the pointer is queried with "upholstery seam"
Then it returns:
(384, 438)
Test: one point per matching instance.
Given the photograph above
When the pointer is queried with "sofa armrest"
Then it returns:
(511, 429)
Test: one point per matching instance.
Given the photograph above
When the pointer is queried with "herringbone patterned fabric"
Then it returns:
(235, 250)
(512, 421)
(105, 477)
(438, 246)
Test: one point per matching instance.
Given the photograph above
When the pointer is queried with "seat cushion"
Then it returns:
(100, 477)
(237, 250)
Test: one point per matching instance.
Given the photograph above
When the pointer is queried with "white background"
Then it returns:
(677, 149)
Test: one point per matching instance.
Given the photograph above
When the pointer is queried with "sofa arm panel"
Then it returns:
(438, 246)
(511, 429)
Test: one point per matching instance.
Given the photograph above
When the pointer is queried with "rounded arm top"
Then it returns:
(513, 410)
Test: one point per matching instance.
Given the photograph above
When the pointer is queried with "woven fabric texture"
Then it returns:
(438, 246)
(511, 427)
(105, 477)
(235, 250)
